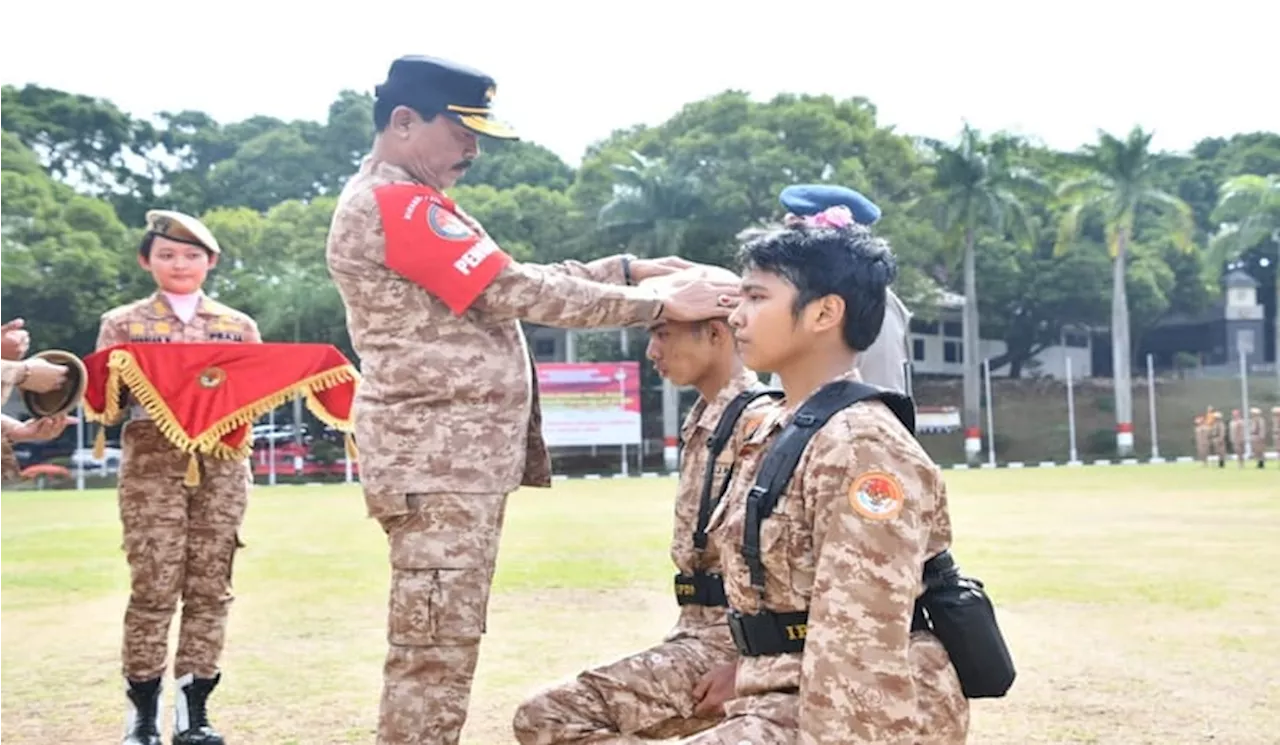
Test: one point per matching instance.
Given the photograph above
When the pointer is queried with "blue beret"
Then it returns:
(810, 199)
(437, 86)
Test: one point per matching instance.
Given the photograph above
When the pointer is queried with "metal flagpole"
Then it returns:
(1071, 414)
(1244, 406)
(1151, 403)
(80, 454)
(991, 426)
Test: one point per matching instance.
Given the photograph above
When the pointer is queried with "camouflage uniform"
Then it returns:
(180, 541)
(1258, 436)
(1218, 437)
(1237, 437)
(448, 423)
(1202, 440)
(650, 694)
(864, 676)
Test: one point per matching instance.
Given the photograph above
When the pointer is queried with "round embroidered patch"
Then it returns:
(446, 224)
(876, 495)
(212, 377)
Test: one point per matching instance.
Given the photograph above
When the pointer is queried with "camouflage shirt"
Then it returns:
(698, 426)
(153, 320)
(449, 399)
(847, 542)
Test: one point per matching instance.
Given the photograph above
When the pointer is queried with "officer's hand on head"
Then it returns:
(642, 269)
(44, 428)
(42, 376)
(700, 301)
(14, 340)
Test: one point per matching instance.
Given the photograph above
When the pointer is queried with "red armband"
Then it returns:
(428, 244)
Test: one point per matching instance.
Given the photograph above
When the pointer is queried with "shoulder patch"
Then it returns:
(431, 246)
(877, 495)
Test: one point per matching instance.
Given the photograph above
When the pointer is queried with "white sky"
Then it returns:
(567, 78)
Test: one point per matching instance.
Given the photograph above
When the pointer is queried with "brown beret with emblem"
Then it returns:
(182, 228)
(65, 397)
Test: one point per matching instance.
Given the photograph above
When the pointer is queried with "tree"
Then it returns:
(1248, 212)
(1118, 189)
(652, 207)
(974, 185)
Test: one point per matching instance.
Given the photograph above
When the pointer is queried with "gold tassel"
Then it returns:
(353, 454)
(100, 443)
(193, 472)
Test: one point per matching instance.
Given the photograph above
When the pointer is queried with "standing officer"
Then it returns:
(1217, 436)
(1258, 436)
(179, 540)
(1202, 440)
(883, 364)
(1237, 436)
(447, 414)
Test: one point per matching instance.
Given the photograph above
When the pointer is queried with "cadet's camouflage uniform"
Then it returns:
(1258, 436)
(448, 423)
(1202, 440)
(650, 694)
(1237, 437)
(864, 677)
(180, 540)
(1218, 437)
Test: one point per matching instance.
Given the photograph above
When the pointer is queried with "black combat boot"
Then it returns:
(191, 719)
(142, 726)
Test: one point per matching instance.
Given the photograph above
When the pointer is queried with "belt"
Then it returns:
(767, 633)
(700, 588)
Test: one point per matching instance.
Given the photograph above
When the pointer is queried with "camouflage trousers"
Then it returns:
(442, 558)
(764, 719)
(647, 695)
(180, 543)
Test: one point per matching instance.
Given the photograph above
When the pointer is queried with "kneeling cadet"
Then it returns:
(834, 532)
(675, 688)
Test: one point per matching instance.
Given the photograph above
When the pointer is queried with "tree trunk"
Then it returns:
(1121, 356)
(971, 355)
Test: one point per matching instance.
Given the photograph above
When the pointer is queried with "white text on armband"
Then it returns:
(475, 256)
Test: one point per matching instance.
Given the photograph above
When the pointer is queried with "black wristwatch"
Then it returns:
(626, 269)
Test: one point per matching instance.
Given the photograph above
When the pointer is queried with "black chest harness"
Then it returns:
(954, 608)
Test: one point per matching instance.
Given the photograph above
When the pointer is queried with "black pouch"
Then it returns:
(961, 615)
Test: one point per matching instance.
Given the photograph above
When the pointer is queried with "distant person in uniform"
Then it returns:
(1217, 436)
(1237, 437)
(1258, 435)
(1275, 430)
(668, 690)
(1202, 439)
(884, 363)
(447, 416)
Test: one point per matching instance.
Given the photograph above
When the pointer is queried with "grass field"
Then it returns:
(1141, 604)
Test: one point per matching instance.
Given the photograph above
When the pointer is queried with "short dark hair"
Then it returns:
(382, 108)
(849, 261)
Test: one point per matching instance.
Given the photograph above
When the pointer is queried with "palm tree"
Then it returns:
(1248, 214)
(653, 206)
(975, 186)
(1122, 180)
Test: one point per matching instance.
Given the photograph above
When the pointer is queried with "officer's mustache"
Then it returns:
(463, 165)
